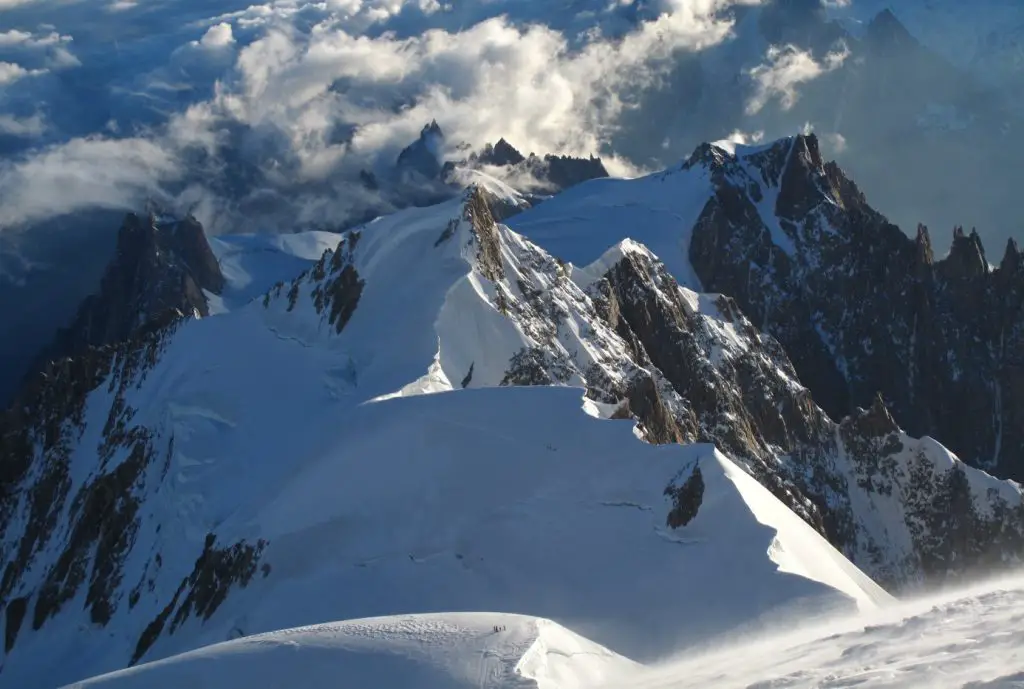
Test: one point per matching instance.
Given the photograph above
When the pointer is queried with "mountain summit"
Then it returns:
(440, 412)
(859, 307)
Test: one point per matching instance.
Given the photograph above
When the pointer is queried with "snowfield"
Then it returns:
(253, 263)
(438, 651)
(967, 639)
(494, 499)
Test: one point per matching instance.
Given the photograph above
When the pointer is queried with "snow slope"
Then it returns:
(433, 651)
(658, 210)
(963, 639)
(509, 499)
(371, 498)
(253, 263)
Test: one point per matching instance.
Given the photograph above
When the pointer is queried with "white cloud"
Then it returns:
(49, 48)
(836, 142)
(122, 5)
(13, 37)
(785, 69)
(26, 127)
(24, 39)
(11, 72)
(218, 36)
(745, 138)
(11, 4)
(311, 99)
(89, 172)
(493, 79)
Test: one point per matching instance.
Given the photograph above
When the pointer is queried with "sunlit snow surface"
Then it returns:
(969, 639)
(438, 651)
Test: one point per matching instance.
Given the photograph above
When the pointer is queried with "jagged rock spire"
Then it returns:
(799, 189)
(1011, 257)
(158, 268)
(966, 255)
(876, 421)
(432, 129)
(500, 154)
(424, 155)
(923, 245)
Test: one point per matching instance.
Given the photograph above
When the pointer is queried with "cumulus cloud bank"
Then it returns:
(267, 113)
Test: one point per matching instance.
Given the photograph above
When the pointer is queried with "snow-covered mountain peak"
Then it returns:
(586, 276)
(186, 475)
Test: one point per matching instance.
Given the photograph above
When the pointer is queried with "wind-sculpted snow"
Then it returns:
(960, 639)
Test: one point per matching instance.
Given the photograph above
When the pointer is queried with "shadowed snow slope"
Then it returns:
(252, 264)
(510, 499)
(658, 211)
(506, 499)
(433, 651)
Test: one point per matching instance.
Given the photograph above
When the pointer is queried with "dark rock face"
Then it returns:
(688, 368)
(216, 571)
(501, 153)
(332, 285)
(686, 499)
(423, 155)
(549, 174)
(863, 309)
(751, 406)
(77, 535)
(158, 267)
(645, 403)
(481, 220)
(563, 172)
(79, 532)
(536, 366)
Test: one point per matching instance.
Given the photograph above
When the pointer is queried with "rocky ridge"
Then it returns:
(863, 309)
(87, 449)
(161, 264)
(78, 470)
(545, 175)
(691, 368)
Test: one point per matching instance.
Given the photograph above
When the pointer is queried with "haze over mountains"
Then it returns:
(440, 327)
